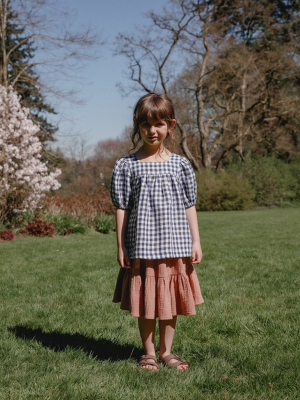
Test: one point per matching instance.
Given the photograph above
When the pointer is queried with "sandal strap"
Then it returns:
(148, 356)
(179, 361)
(144, 360)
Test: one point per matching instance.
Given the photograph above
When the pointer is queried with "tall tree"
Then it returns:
(271, 32)
(231, 86)
(20, 51)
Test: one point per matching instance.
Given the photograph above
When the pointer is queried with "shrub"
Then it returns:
(22, 218)
(104, 223)
(27, 216)
(3, 226)
(294, 169)
(223, 191)
(38, 227)
(6, 235)
(65, 224)
(84, 207)
(273, 180)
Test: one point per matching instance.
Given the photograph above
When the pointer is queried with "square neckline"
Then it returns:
(153, 162)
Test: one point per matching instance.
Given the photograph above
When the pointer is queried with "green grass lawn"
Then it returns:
(63, 339)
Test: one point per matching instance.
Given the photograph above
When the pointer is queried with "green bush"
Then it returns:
(274, 181)
(294, 169)
(65, 224)
(18, 220)
(27, 216)
(24, 217)
(223, 191)
(3, 226)
(104, 223)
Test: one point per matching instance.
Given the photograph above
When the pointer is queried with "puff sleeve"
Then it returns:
(120, 185)
(188, 183)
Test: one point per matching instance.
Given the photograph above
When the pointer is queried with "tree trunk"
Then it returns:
(204, 135)
(3, 20)
(184, 147)
(239, 146)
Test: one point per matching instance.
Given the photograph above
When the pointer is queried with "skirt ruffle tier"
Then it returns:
(158, 288)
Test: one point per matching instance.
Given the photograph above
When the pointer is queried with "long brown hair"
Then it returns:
(155, 106)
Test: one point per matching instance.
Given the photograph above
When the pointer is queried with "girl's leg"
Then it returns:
(166, 332)
(147, 332)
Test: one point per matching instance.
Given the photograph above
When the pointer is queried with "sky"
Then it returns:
(105, 113)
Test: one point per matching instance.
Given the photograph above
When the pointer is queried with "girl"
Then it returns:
(157, 231)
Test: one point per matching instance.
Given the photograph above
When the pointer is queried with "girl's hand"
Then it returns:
(123, 258)
(196, 253)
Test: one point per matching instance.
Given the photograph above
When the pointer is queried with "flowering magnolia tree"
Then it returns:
(24, 178)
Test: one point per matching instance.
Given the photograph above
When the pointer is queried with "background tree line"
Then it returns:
(232, 69)
(230, 66)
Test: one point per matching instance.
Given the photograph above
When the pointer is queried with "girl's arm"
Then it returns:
(121, 221)
(193, 223)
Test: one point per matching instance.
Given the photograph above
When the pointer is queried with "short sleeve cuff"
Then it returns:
(120, 186)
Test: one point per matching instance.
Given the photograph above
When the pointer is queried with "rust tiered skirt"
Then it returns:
(158, 288)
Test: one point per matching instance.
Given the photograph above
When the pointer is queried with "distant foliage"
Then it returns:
(66, 225)
(294, 170)
(104, 223)
(38, 227)
(6, 235)
(3, 226)
(274, 181)
(84, 207)
(221, 191)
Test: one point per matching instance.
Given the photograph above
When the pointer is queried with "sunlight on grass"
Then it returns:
(63, 338)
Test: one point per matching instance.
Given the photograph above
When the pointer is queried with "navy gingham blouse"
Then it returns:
(156, 194)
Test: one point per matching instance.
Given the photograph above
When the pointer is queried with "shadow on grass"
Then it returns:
(100, 349)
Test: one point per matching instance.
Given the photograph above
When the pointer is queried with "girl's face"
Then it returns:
(154, 132)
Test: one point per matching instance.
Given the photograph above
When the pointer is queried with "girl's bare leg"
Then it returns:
(147, 332)
(166, 332)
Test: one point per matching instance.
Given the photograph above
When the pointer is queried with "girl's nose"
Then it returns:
(152, 128)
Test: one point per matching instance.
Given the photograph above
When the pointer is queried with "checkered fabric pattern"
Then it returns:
(156, 193)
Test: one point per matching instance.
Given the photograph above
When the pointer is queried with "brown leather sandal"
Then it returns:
(144, 361)
(176, 364)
